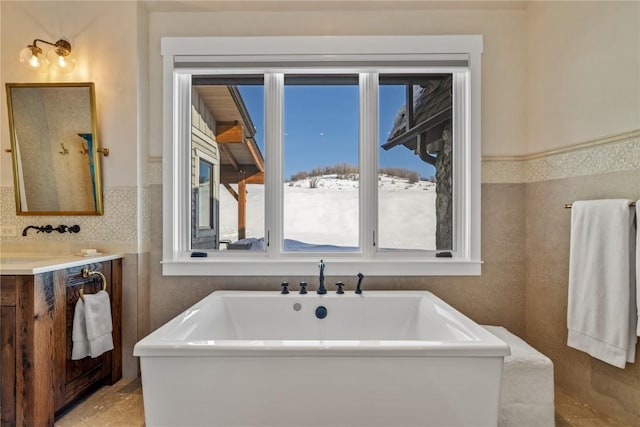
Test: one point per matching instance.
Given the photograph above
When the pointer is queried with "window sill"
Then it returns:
(335, 267)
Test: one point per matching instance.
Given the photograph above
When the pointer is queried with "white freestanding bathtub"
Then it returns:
(383, 358)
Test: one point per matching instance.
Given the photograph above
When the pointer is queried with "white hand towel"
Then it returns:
(97, 311)
(601, 310)
(80, 347)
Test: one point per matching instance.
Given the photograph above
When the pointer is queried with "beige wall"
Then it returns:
(583, 67)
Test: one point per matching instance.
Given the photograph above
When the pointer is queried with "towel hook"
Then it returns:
(86, 273)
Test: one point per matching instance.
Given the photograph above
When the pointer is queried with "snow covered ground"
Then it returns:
(328, 214)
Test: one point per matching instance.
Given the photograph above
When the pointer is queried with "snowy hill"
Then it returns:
(324, 210)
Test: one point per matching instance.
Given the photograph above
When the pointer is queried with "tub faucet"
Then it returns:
(321, 289)
(359, 286)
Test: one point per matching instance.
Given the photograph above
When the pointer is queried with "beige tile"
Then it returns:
(119, 405)
(573, 412)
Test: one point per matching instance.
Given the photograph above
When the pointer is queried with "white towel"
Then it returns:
(601, 314)
(80, 348)
(92, 326)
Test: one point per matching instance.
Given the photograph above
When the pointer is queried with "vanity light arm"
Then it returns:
(104, 151)
(62, 46)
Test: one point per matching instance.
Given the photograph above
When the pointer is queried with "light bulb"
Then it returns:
(34, 61)
(61, 63)
(31, 57)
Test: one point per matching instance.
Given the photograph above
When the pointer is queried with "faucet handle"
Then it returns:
(285, 288)
(303, 287)
(340, 285)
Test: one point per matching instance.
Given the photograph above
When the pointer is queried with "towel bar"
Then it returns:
(569, 205)
(86, 273)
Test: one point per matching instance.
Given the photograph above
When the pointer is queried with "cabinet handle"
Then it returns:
(86, 273)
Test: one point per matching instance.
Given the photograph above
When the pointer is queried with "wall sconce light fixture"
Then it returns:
(33, 58)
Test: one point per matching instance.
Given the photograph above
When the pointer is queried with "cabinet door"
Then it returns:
(81, 374)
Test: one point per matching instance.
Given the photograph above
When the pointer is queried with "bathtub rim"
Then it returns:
(154, 345)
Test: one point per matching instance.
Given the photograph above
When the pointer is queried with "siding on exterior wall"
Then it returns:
(203, 141)
(203, 135)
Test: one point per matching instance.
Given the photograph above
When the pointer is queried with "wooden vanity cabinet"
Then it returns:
(38, 377)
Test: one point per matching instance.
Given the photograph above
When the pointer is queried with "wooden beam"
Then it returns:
(231, 190)
(229, 133)
(242, 209)
(257, 178)
(231, 176)
(255, 154)
(229, 155)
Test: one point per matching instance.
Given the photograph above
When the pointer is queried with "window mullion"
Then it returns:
(462, 164)
(368, 162)
(274, 116)
(182, 162)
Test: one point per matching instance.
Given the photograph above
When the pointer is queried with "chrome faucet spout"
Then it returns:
(321, 289)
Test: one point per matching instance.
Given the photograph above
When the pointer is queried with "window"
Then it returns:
(205, 207)
(415, 197)
(226, 130)
(321, 174)
(369, 160)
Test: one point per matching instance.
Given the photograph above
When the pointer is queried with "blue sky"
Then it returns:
(321, 126)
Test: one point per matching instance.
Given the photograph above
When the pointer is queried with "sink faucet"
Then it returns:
(49, 228)
(321, 289)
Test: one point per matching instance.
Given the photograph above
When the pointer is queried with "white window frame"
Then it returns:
(275, 56)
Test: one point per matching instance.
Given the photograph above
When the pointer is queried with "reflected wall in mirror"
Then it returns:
(56, 167)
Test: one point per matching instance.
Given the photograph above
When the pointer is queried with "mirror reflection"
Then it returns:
(54, 146)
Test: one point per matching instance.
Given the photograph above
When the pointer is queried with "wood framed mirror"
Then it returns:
(54, 145)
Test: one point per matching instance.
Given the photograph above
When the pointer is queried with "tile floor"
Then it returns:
(571, 412)
(121, 405)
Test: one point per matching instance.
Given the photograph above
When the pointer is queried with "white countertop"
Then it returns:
(23, 263)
